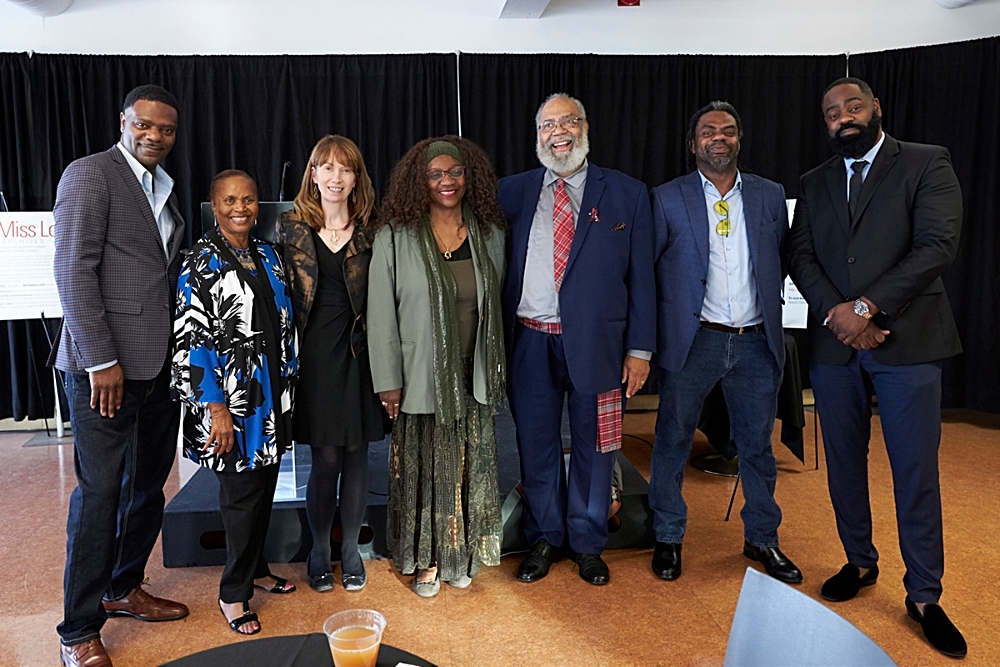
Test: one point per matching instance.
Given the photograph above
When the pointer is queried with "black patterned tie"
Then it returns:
(854, 189)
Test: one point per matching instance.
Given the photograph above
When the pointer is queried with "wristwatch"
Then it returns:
(861, 308)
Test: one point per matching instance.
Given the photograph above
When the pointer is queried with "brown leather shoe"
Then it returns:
(85, 654)
(140, 604)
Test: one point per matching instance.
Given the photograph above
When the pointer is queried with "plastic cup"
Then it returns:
(354, 637)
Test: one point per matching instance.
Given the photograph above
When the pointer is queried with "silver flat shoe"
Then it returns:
(354, 582)
(461, 582)
(426, 589)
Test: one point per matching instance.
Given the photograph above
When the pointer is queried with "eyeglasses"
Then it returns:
(566, 123)
(722, 208)
(438, 174)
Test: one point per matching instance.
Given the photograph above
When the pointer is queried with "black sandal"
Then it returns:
(247, 617)
(281, 586)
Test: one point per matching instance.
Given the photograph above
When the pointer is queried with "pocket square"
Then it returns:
(620, 227)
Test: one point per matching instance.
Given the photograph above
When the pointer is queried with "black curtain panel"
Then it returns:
(256, 113)
(950, 95)
(251, 113)
(638, 108)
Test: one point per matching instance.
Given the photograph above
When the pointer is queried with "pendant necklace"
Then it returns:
(458, 234)
(334, 231)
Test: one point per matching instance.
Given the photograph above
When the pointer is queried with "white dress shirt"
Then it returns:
(868, 157)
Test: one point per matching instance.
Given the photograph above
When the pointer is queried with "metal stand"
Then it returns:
(733, 497)
(60, 427)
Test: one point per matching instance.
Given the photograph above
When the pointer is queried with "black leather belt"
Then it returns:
(732, 330)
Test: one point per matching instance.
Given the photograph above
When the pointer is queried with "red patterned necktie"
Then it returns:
(562, 231)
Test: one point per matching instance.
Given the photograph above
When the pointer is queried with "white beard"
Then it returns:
(565, 162)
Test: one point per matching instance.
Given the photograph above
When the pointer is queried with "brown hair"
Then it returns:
(406, 201)
(361, 204)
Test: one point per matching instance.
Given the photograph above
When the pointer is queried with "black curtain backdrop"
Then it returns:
(251, 113)
(638, 108)
(950, 95)
(255, 113)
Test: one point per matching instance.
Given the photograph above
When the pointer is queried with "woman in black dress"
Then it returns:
(326, 240)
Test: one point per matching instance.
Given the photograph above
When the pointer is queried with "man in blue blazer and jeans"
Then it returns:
(718, 236)
(579, 321)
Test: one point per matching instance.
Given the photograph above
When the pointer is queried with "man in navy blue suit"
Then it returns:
(718, 246)
(579, 321)
(875, 227)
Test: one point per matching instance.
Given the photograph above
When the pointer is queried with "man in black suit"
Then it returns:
(874, 229)
(118, 234)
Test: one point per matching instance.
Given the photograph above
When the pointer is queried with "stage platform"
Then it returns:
(193, 534)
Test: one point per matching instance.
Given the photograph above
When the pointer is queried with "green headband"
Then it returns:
(444, 148)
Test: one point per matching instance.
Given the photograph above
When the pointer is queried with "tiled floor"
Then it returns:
(635, 620)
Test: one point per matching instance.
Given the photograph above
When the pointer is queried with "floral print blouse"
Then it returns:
(232, 346)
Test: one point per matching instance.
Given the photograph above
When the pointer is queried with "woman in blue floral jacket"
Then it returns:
(233, 368)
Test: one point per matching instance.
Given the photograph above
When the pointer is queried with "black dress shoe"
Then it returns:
(845, 584)
(938, 628)
(593, 569)
(537, 564)
(667, 560)
(775, 563)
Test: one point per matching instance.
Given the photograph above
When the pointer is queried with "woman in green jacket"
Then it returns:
(437, 359)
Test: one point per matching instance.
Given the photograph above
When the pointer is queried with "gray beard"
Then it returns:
(563, 163)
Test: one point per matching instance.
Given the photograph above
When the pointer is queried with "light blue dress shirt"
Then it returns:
(157, 186)
(731, 288)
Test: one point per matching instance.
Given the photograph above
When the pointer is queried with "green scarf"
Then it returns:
(449, 371)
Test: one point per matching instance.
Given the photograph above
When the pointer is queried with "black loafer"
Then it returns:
(845, 584)
(667, 560)
(593, 569)
(938, 628)
(538, 562)
(776, 564)
(321, 583)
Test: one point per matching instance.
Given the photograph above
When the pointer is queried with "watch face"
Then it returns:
(861, 308)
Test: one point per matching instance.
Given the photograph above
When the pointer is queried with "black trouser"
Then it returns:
(245, 504)
(116, 510)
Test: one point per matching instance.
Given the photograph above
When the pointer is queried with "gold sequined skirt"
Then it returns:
(444, 502)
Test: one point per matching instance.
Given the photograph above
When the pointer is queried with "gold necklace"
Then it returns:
(458, 238)
(333, 235)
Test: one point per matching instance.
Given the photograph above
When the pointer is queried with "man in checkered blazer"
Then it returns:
(118, 233)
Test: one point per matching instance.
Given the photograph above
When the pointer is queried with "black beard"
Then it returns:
(859, 144)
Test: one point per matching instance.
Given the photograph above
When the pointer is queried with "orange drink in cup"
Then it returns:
(354, 637)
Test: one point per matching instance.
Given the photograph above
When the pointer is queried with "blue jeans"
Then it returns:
(909, 402)
(750, 378)
(116, 510)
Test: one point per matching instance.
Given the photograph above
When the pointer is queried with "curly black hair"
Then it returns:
(406, 201)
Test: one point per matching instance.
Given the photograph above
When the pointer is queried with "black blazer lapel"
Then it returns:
(591, 197)
(697, 210)
(836, 182)
(884, 161)
(177, 240)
